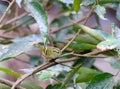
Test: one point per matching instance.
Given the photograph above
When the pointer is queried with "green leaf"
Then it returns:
(45, 75)
(88, 2)
(10, 72)
(108, 44)
(30, 85)
(67, 1)
(17, 49)
(91, 2)
(3, 86)
(86, 74)
(40, 16)
(56, 86)
(92, 32)
(20, 45)
(100, 11)
(101, 81)
(104, 34)
(76, 5)
(85, 38)
(35, 60)
(82, 46)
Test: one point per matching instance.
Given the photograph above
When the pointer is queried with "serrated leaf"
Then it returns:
(76, 5)
(10, 72)
(108, 44)
(118, 13)
(101, 81)
(100, 11)
(40, 16)
(85, 74)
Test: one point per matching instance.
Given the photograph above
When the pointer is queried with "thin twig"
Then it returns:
(3, 16)
(70, 41)
(9, 83)
(18, 59)
(11, 29)
(14, 19)
(93, 56)
(70, 75)
(67, 25)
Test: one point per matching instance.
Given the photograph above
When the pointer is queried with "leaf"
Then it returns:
(45, 75)
(19, 2)
(67, 1)
(30, 85)
(91, 2)
(118, 13)
(35, 60)
(17, 49)
(101, 81)
(40, 16)
(76, 5)
(108, 44)
(85, 74)
(29, 38)
(100, 11)
(56, 86)
(10, 72)
(82, 46)
(20, 45)
(86, 38)
(3, 86)
(116, 34)
(104, 34)
(88, 2)
(115, 31)
(92, 32)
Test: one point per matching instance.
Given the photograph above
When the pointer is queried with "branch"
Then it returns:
(9, 83)
(11, 29)
(3, 16)
(14, 19)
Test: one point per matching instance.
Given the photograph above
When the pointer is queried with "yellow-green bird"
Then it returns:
(50, 52)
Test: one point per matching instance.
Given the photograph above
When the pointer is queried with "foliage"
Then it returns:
(68, 45)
